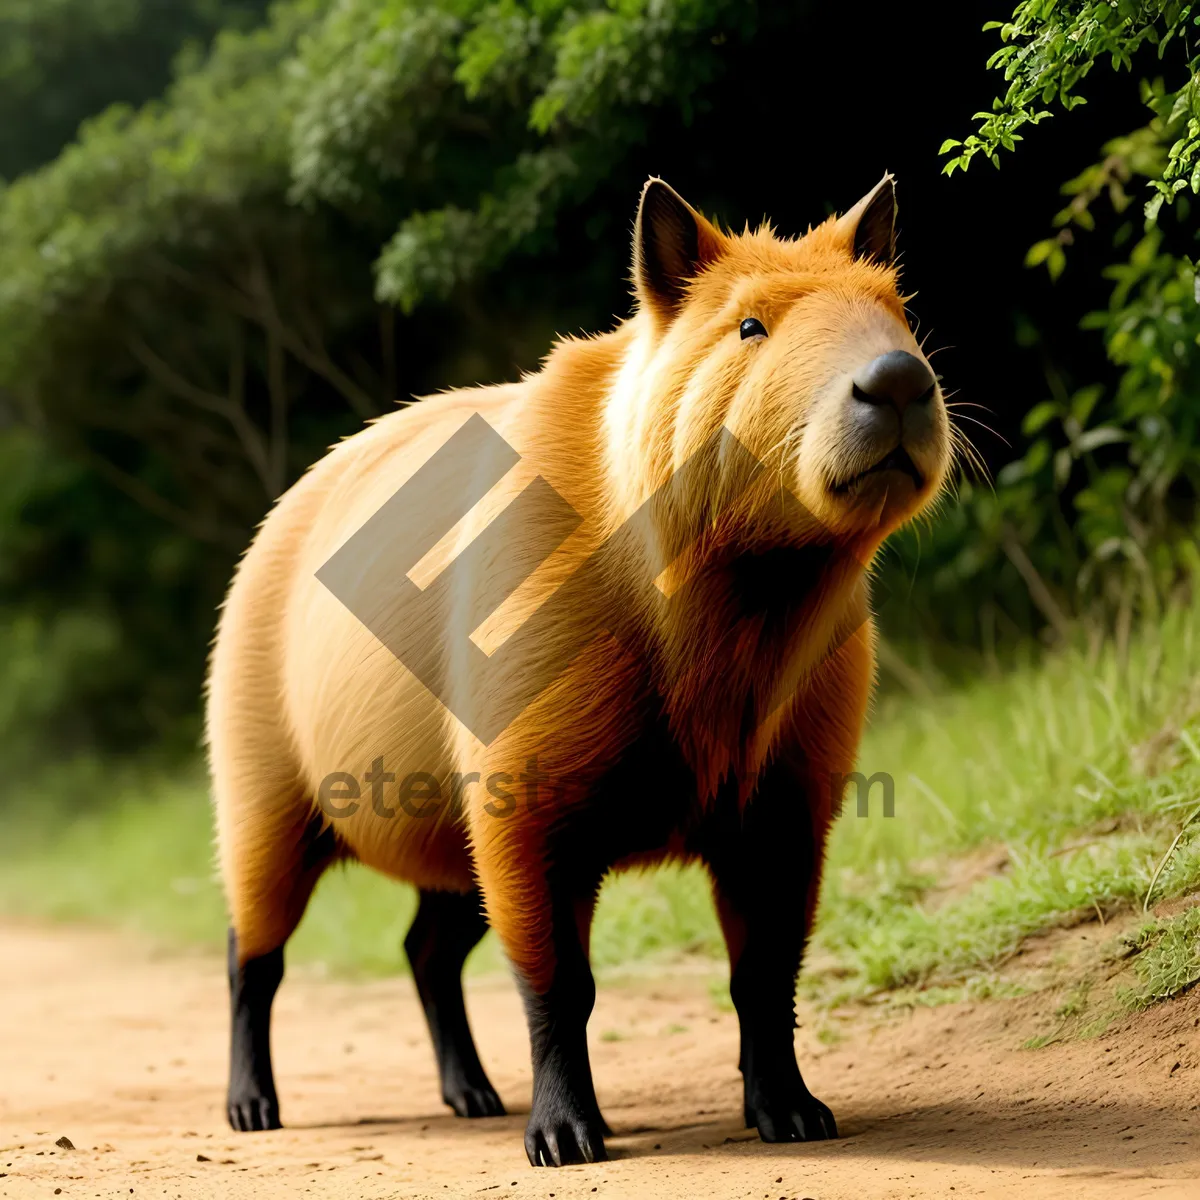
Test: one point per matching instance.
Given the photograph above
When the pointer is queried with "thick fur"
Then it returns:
(745, 694)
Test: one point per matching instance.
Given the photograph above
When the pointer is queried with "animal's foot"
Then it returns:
(252, 1112)
(473, 1100)
(788, 1113)
(559, 1133)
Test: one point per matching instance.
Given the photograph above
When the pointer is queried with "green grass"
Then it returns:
(1077, 775)
(1168, 959)
(138, 856)
(1080, 771)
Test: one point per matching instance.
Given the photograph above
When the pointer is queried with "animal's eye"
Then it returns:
(752, 327)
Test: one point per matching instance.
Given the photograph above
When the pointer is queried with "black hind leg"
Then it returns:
(446, 929)
(252, 1103)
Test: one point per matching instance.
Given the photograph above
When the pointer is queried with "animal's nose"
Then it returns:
(896, 378)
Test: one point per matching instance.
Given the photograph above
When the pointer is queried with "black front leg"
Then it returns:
(565, 1125)
(764, 873)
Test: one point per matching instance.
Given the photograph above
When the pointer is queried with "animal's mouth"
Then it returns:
(898, 460)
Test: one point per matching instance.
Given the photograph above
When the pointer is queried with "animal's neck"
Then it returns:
(740, 642)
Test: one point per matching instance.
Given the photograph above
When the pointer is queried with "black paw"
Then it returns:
(790, 1115)
(473, 1100)
(251, 1114)
(558, 1135)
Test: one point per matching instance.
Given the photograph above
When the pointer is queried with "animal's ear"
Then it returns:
(870, 226)
(672, 243)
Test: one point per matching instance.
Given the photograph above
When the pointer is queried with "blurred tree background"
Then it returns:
(231, 231)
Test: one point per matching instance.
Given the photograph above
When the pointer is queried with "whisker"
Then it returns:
(962, 440)
(978, 469)
(781, 443)
(967, 404)
(983, 425)
(968, 451)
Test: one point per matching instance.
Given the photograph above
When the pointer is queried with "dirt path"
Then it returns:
(122, 1051)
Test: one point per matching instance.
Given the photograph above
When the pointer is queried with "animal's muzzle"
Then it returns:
(892, 410)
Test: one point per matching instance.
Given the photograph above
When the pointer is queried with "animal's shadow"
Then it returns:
(1083, 1134)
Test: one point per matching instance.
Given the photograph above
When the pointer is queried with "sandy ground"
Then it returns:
(122, 1049)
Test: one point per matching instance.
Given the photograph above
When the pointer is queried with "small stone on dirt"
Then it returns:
(65, 1143)
(203, 1158)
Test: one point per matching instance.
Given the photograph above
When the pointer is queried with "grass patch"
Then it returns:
(1049, 795)
(1080, 773)
(1168, 959)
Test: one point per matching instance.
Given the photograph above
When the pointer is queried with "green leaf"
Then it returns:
(1093, 439)
(1084, 401)
(1040, 251)
(1062, 468)
(1010, 474)
(1039, 416)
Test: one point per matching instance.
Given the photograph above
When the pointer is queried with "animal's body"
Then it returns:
(699, 698)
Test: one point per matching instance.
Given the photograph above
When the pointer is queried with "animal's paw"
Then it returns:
(253, 1112)
(789, 1113)
(559, 1133)
(473, 1100)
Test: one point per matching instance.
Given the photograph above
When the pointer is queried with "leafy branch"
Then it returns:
(1050, 48)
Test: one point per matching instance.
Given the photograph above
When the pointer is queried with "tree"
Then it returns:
(186, 292)
(1108, 489)
(162, 276)
(355, 201)
(64, 60)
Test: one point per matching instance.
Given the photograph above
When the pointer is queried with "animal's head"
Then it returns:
(801, 348)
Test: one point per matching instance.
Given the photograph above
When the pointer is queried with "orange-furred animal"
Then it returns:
(629, 624)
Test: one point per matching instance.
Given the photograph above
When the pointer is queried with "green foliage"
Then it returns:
(375, 79)
(63, 60)
(88, 668)
(323, 208)
(132, 186)
(1058, 790)
(432, 252)
(1050, 48)
(1168, 961)
(1130, 460)
(186, 294)
(1098, 514)
(509, 111)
